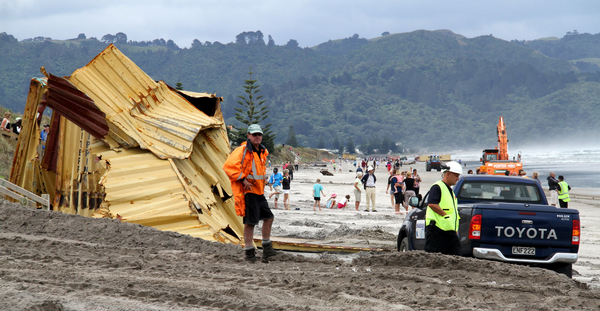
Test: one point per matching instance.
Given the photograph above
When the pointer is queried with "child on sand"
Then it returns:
(331, 202)
(317, 191)
(343, 202)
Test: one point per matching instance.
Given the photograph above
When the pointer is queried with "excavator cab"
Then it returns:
(489, 155)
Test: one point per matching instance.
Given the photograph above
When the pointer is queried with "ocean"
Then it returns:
(581, 168)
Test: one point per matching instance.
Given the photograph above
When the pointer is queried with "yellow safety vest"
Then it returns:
(563, 194)
(448, 204)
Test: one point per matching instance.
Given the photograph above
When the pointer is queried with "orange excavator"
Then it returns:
(496, 161)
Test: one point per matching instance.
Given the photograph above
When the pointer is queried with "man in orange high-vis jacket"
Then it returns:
(247, 170)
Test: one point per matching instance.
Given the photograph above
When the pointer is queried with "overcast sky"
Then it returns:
(309, 22)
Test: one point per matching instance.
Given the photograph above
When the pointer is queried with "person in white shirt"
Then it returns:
(369, 181)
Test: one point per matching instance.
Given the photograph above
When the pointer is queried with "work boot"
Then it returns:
(268, 250)
(250, 255)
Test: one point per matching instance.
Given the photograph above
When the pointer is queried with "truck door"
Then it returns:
(418, 226)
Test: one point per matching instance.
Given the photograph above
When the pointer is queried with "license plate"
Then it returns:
(520, 250)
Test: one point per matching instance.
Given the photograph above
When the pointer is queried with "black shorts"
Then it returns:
(317, 198)
(398, 197)
(257, 208)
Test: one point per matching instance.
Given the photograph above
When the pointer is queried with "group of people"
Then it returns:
(280, 184)
(6, 125)
(402, 186)
(15, 128)
(559, 191)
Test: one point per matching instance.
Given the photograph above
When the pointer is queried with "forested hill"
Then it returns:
(421, 89)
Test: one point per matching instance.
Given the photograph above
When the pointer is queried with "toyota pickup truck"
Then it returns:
(504, 218)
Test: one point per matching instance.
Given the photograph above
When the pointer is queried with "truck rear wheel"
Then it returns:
(563, 268)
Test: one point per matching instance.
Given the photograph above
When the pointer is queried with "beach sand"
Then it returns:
(55, 261)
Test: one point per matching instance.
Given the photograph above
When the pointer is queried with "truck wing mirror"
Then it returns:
(413, 201)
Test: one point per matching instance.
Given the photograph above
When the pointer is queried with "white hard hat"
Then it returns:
(453, 167)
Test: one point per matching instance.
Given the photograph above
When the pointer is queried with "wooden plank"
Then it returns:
(301, 245)
(23, 200)
(8, 185)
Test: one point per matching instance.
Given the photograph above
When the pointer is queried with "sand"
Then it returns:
(54, 261)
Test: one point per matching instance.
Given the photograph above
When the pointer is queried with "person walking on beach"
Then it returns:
(290, 169)
(441, 217)
(285, 184)
(275, 183)
(296, 162)
(357, 191)
(397, 184)
(247, 171)
(409, 189)
(369, 181)
(389, 187)
(563, 192)
(552, 186)
(417, 179)
(317, 192)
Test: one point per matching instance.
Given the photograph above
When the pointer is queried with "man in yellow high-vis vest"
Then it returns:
(441, 218)
(563, 192)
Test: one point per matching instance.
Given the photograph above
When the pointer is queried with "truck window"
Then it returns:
(499, 192)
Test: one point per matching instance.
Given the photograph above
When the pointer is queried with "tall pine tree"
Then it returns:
(350, 146)
(336, 143)
(321, 144)
(292, 141)
(252, 113)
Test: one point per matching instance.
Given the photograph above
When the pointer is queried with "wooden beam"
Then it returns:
(7, 186)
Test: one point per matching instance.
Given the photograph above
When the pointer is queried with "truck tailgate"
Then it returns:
(534, 232)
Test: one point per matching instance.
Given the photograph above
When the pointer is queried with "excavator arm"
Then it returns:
(502, 140)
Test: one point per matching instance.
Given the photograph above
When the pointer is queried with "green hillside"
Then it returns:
(422, 89)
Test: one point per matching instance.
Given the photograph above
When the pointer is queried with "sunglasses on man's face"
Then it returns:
(256, 134)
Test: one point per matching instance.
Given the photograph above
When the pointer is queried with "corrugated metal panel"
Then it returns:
(77, 172)
(208, 185)
(26, 171)
(177, 184)
(139, 108)
(143, 189)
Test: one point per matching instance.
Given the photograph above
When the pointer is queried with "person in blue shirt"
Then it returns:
(317, 192)
(275, 183)
(44, 133)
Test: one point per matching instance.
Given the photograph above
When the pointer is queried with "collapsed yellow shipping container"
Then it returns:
(124, 146)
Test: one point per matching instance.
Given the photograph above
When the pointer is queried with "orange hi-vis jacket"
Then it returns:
(242, 164)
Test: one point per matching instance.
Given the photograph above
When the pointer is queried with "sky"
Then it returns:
(310, 22)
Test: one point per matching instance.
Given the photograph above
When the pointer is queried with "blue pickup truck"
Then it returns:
(507, 219)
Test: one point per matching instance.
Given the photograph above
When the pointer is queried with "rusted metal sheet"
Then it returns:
(155, 160)
(64, 98)
(139, 110)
